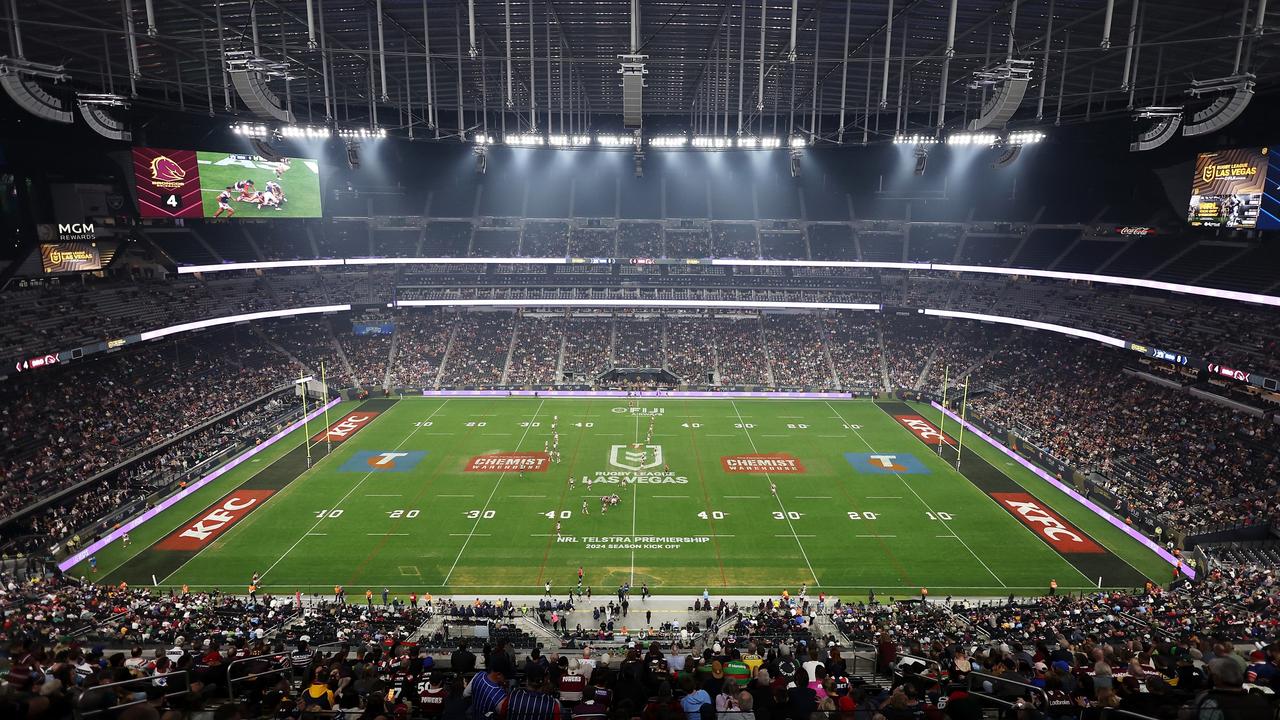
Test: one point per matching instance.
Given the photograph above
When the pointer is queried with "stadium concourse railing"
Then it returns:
(1005, 693)
(84, 707)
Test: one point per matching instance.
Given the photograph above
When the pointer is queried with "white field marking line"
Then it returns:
(469, 534)
(1028, 529)
(922, 502)
(944, 536)
(320, 534)
(813, 497)
(715, 535)
(769, 478)
(835, 437)
(456, 496)
(884, 497)
(234, 527)
(343, 499)
(488, 500)
(742, 497)
(799, 536)
(752, 588)
(635, 500)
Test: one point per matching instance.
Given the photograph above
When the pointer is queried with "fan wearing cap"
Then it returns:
(842, 686)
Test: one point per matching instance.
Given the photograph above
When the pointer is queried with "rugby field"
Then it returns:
(456, 494)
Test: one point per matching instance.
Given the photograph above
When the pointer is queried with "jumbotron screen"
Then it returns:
(1228, 189)
(203, 184)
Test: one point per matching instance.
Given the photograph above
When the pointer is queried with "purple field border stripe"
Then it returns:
(168, 502)
(701, 394)
(1070, 491)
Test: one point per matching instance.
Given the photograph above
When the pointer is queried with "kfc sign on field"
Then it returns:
(346, 427)
(215, 521)
(1047, 524)
(780, 463)
(923, 429)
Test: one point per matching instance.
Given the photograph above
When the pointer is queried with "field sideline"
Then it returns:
(427, 494)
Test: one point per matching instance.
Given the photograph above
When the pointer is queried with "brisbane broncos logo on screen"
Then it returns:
(165, 172)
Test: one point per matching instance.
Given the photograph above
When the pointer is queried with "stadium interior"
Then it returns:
(251, 244)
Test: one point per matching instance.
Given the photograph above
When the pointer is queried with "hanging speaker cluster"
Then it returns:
(1233, 96)
(1008, 81)
(249, 76)
(19, 77)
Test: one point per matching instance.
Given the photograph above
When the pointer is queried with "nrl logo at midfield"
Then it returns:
(635, 457)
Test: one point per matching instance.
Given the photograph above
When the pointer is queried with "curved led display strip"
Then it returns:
(1219, 293)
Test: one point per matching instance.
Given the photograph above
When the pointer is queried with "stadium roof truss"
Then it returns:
(830, 71)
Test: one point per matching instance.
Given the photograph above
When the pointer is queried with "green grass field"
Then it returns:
(842, 520)
(301, 183)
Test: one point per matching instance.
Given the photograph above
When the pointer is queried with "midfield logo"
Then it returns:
(635, 457)
(886, 464)
(383, 461)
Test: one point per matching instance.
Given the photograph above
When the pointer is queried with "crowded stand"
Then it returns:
(366, 354)
(478, 349)
(55, 435)
(1154, 652)
(536, 352)
(638, 344)
(688, 353)
(909, 345)
(422, 339)
(587, 348)
(853, 341)
(739, 358)
(796, 352)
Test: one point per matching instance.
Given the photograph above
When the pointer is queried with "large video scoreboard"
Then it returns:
(204, 184)
(1230, 190)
